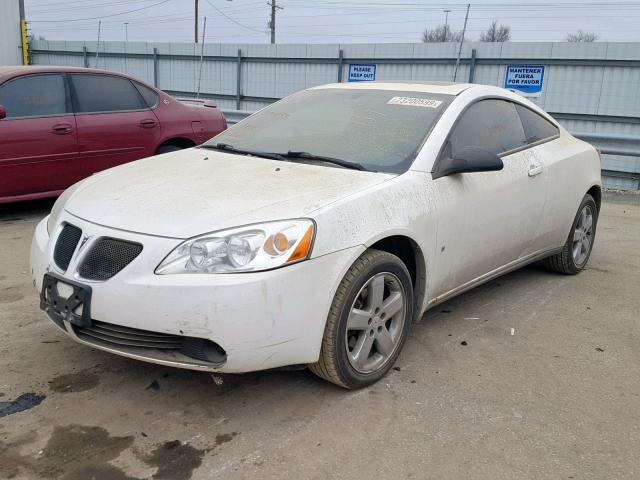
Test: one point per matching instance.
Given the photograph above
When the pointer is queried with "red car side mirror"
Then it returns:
(3, 112)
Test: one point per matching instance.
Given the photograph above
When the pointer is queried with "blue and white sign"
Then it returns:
(525, 79)
(362, 73)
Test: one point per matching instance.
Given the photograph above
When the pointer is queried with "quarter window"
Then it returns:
(105, 93)
(535, 126)
(151, 98)
(34, 96)
(491, 125)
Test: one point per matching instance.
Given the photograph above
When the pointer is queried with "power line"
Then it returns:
(66, 6)
(100, 17)
(231, 19)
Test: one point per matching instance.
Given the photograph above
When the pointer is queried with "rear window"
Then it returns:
(536, 127)
(34, 96)
(105, 93)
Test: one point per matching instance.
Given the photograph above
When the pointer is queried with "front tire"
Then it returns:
(576, 251)
(368, 322)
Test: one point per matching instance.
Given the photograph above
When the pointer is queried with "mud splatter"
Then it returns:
(10, 294)
(224, 438)
(77, 452)
(74, 382)
(175, 460)
(154, 386)
(69, 450)
(20, 404)
(102, 472)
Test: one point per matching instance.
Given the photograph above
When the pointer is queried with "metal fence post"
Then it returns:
(85, 59)
(239, 79)
(472, 66)
(156, 69)
(340, 64)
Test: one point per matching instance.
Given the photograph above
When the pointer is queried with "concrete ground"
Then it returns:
(557, 398)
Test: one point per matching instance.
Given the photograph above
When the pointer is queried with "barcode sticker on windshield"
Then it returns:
(415, 102)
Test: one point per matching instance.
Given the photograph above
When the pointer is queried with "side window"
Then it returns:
(34, 96)
(491, 125)
(535, 126)
(151, 98)
(105, 93)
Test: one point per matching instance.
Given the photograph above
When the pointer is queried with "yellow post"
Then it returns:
(25, 42)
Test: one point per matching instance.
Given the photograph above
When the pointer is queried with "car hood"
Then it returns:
(190, 192)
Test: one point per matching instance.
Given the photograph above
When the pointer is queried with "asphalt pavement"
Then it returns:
(534, 375)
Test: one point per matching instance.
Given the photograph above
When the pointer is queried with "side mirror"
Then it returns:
(3, 112)
(469, 159)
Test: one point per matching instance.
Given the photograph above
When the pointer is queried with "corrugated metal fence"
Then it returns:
(592, 88)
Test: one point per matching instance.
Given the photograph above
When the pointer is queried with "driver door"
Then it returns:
(486, 220)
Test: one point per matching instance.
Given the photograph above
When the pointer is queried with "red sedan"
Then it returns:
(59, 125)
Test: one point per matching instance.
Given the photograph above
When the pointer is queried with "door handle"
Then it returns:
(61, 129)
(147, 123)
(535, 170)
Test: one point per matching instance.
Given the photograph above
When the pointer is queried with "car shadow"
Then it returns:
(27, 210)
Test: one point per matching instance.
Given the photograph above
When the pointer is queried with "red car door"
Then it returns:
(114, 123)
(38, 148)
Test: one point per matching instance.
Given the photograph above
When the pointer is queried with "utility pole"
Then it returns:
(446, 25)
(24, 34)
(98, 43)
(195, 34)
(464, 30)
(126, 31)
(204, 30)
(272, 23)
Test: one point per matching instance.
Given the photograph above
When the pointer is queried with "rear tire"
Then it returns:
(167, 148)
(368, 322)
(577, 249)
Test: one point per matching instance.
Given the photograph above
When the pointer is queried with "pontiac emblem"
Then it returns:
(84, 240)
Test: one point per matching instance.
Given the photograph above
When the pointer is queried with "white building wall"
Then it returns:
(10, 45)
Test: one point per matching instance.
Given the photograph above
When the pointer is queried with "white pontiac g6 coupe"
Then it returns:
(317, 230)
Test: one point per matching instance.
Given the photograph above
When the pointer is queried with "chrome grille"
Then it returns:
(107, 257)
(66, 245)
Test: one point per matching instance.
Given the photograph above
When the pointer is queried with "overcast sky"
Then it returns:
(327, 21)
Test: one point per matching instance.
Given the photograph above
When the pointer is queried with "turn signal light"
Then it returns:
(304, 247)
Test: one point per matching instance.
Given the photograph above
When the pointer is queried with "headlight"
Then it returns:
(58, 207)
(246, 249)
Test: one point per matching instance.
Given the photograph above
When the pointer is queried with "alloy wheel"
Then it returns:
(375, 322)
(582, 236)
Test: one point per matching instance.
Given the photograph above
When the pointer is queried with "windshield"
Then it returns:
(381, 130)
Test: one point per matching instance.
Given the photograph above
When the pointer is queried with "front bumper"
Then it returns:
(262, 320)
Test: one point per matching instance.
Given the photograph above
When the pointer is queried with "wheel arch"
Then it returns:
(181, 142)
(408, 250)
(596, 192)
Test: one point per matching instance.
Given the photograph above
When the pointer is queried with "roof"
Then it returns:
(447, 88)
(14, 70)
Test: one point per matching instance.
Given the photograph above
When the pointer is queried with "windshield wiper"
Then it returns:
(320, 158)
(289, 156)
(225, 147)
